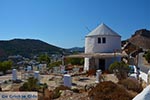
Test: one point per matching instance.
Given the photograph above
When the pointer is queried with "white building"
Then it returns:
(102, 48)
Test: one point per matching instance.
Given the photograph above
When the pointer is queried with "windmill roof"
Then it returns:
(103, 29)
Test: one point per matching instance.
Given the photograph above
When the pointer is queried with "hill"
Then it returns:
(141, 39)
(27, 47)
(76, 49)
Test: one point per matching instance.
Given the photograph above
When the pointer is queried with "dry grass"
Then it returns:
(131, 84)
(109, 91)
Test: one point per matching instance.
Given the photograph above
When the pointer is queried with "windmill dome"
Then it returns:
(103, 29)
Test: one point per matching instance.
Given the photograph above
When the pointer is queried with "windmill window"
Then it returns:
(103, 40)
(99, 40)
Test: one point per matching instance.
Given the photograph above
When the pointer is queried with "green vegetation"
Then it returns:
(30, 85)
(120, 69)
(74, 61)
(147, 56)
(44, 58)
(27, 48)
(131, 84)
(5, 65)
(56, 92)
(54, 64)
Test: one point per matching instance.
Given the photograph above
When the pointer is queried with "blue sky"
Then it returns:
(63, 22)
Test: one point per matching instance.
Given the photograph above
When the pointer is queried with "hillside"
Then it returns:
(26, 47)
(141, 39)
(76, 49)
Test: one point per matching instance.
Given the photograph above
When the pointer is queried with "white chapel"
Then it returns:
(102, 48)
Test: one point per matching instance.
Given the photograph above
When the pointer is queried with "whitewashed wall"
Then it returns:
(92, 45)
(86, 64)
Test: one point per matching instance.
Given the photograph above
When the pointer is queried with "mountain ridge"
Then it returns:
(27, 47)
(76, 49)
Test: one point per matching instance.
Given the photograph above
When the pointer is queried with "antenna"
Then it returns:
(87, 28)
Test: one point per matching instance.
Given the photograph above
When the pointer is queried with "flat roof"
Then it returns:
(96, 55)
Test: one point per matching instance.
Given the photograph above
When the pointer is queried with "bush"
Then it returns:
(120, 69)
(109, 91)
(131, 84)
(147, 56)
(30, 85)
(45, 86)
(75, 90)
(54, 64)
(62, 87)
(5, 66)
(5, 82)
(74, 61)
(56, 92)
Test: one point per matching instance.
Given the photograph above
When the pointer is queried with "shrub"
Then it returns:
(131, 84)
(54, 64)
(75, 90)
(62, 87)
(56, 92)
(30, 85)
(120, 69)
(45, 86)
(74, 61)
(5, 82)
(109, 91)
(147, 56)
(44, 58)
(5, 66)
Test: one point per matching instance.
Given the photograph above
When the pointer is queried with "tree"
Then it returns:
(120, 69)
(44, 58)
(147, 56)
(75, 61)
(54, 64)
(6, 65)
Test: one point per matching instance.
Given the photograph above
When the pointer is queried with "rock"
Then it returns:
(66, 93)
(89, 86)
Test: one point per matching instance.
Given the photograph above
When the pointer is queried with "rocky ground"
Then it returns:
(80, 82)
(69, 95)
